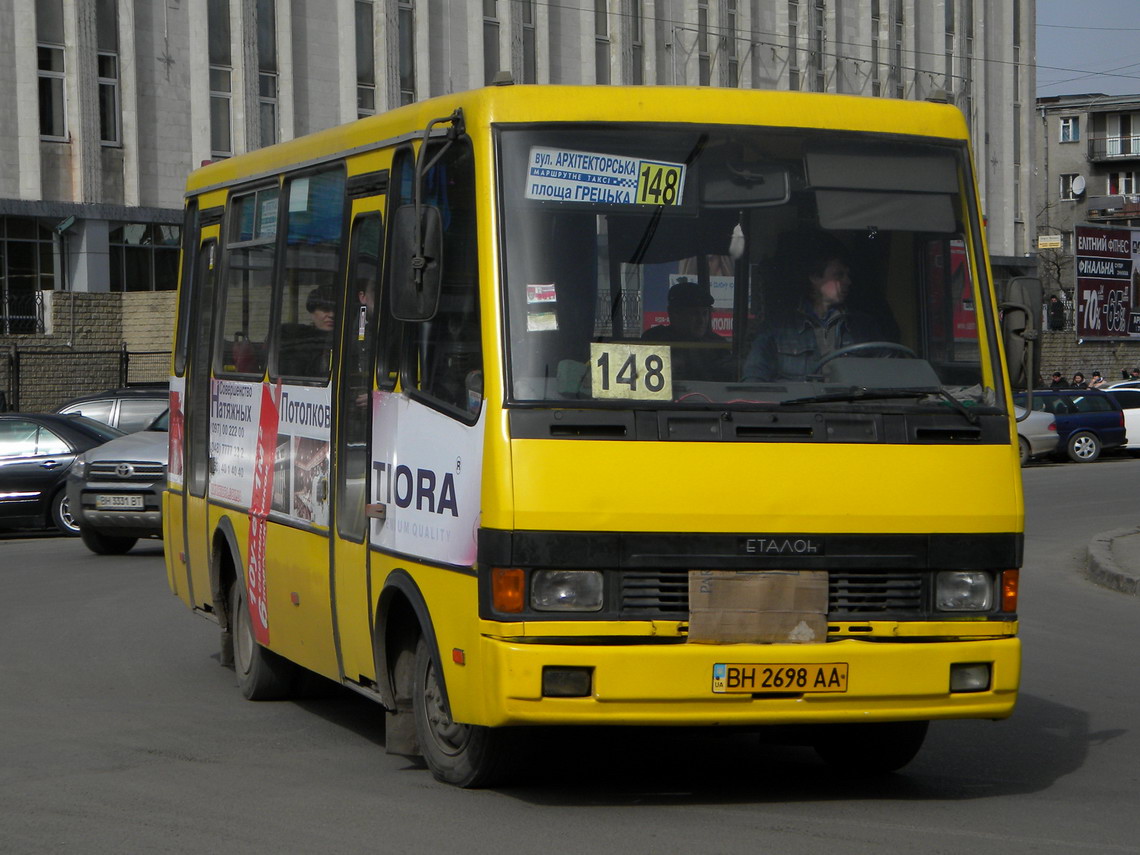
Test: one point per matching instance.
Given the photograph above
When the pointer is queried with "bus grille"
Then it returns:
(859, 594)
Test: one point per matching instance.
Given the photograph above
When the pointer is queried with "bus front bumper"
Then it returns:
(672, 684)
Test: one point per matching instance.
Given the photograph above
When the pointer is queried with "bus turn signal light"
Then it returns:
(508, 586)
(1009, 580)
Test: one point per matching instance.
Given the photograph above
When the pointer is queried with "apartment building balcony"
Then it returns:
(1119, 210)
(1114, 148)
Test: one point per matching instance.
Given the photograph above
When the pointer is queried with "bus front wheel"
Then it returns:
(870, 749)
(462, 754)
(262, 674)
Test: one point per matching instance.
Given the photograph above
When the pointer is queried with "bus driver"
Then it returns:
(790, 345)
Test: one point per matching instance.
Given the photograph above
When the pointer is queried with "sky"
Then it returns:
(1086, 46)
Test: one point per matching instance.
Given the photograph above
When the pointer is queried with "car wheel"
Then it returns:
(1023, 448)
(463, 754)
(106, 544)
(262, 674)
(1083, 447)
(61, 514)
(876, 748)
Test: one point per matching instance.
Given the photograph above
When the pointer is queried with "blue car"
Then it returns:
(1089, 421)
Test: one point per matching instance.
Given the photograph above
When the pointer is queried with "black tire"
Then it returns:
(106, 544)
(466, 755)
(865, 750)
(61, 514)
(1083, 447)
(1023, 448)
(262, 674)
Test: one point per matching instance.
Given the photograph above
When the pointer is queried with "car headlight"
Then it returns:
(963, 591)
(566, 590)
(79, 467)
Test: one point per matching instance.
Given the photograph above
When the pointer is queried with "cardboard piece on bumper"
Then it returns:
(758, 606)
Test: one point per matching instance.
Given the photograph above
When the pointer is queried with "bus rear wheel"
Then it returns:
(876, 748)
(466, 755)
(262, 674)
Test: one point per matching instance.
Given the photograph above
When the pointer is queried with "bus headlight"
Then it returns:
(963, 591)
(566, 590)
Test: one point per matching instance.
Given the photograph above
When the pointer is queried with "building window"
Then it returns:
(50, 69)
(406, 21)
(876, 21)
(731, 54)
(1067, 191)
(1122, 184)
(793, 44)
(815, 55)
(221, 137)
(637, 42)
(221, 67)
(267, 70)
(144, 256)
(491, 62)
(898, 29)
(601, 42)
(108, 98)
(1122, 140)
(107, 62)
(530, 69)
(704, 61)
(1070, 129)
(949, 46)
(1016, 134)
(52, 113)
(365, 59)
(27, 267)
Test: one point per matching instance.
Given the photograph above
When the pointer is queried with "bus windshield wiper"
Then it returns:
(869, 393)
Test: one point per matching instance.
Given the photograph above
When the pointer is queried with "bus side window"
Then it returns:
(311, 297)
(248, 282)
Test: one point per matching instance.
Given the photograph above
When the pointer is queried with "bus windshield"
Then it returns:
(713, 265)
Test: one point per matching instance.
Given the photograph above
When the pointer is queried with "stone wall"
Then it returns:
(1060, 351)
(81, 351)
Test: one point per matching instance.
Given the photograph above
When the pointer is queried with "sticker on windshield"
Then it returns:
(580, 176)
(634, 371)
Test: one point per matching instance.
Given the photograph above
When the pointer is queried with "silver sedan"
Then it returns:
(1036, 434)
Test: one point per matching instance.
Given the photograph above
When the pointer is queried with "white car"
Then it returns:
(1127, 394)
(1036, 434)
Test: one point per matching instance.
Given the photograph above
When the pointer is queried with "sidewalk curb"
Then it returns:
(1102, 566)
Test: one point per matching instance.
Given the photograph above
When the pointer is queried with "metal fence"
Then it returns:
(38, 379)
(22, 313)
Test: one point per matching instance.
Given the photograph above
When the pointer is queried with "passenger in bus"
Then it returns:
(703, 355)
(306, 349)
(790, 344)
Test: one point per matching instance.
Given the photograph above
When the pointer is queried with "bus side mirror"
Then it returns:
(1020, 308)
(416, 264)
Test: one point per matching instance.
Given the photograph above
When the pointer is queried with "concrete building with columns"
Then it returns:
(109, 103)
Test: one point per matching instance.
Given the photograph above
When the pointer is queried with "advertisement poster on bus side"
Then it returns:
(177, 430)
(235, 413)
(1108, 276)
(427, 474)
(301, 456)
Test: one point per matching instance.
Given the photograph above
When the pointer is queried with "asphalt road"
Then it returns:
(119, 732)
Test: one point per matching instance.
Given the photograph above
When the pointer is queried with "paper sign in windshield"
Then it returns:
(561, 175)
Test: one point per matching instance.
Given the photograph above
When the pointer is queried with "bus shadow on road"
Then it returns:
(1027, 753)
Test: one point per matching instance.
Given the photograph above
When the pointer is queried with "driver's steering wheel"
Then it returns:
(894, 346)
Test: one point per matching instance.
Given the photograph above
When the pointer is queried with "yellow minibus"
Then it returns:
(545, 405)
